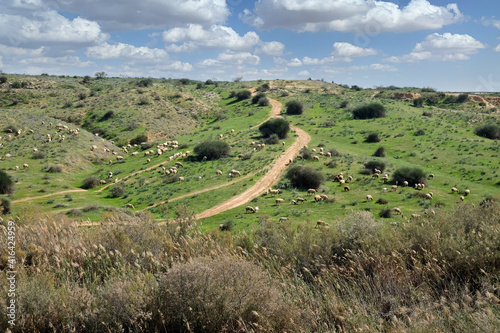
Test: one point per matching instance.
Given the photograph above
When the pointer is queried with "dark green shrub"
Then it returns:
(108, 115)
(263, 102)
(462, 98)
(382, 201)
(212, 150)
(139, 139)
(412, 175)
(490, 131)
(343, 104)
(144, 82)
(419, 102)
(294, 107)
(5, 207)
(6, 183)
(369, 111)
(273, 139)
(375, 164)
(380, 152)
(90, 182)
(277, 126)
(372, 137)
(306, 153)
(243, 94)
(38, 155)
(419, 132)
(385, 213)
(55, 169)
(304, 177)
(255, 99)
(3, 79)
(118, 191)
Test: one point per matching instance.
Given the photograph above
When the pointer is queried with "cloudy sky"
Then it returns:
(449, 46)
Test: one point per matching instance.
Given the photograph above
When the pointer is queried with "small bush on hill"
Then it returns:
(243, 94)
(6, 183)
(144, 82)
(5, 206)
(368, 111)
(55, 169)
(385, 213)
(213, 150)
(412, 175)
(304, 177)
(294, 107)
(3, 79)
(90, 182)
(118, 191)
(490, 131)
(419, 132)
(277, 126)
(273, 139)
(139, 139)
(375, 164)
(419, 102)
(372, 137)
(380, 152)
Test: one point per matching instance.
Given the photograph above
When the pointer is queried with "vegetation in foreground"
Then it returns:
(439, 273)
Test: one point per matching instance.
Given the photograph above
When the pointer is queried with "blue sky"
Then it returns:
(449, 46)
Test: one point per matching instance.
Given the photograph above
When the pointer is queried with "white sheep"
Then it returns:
(301, 200)
(321, 223)
(293, 202)
(119, 158)
(394, 187)
(271, 191)
(283, 219)
(405, 183)
(218, 172)
(462, 198)
(181, 179)
(369, 197)
(250, 209)
(454, 190)
(178, 164)
(347, 188)
(315, 158)
(311, 191)
(129, 205)
(25, 165)
(278, 201)
(235, 173)
(467, 192)
(317, 198)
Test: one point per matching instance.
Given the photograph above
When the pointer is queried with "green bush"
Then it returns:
(380, 152)
(277, 126)
(139, 139)
(369, 111)
(255, 99)
(372, 137)
(419, 102)
(90, 182)
(6, 183)
(273, 139)
(144, 82)
(3, 79)
(412, 175)
(294, 107)
(4, 206)
(490, 131)
(375, 164)
(212, 150)
(304, 177)
(54, 169)
(118, 191)
(243, 94)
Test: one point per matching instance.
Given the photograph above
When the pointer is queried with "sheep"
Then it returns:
(317, 198)
(397, 210)
(278, 201)
(271, 191)
(129, 205)
(17, 167)
(321, 223)
(181, 179)
(369, 197)
(223, 227)
(283, 143)
(313, 150)
(347, 188)
(328, 154)
(25, 165)
(110, 174)
(94, 147)
(119, 158)
(315, 158)
(428, 196)
(241, 155)
(341, 182)
(232, 131)
(405, 183)
(283, 219)
(102, 181)
(218, 172)
(234, 173)
(250, 209)
(350, 178)
(375, 175)
(394, 187)
(221, 136)
(415, 216)
(148, 160)
(431, 176)
(35, 150)
(454, 190)
(462, 198)
(467, 192)
(324, 196)
(178, 164)
(311, 191)
(301, 200)
(293, 202)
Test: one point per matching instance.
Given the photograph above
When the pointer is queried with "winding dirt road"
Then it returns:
(271, 177)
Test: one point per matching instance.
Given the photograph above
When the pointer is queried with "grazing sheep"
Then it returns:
(375, 175)
(324, 196)
(110, 174)
(219, 172)
(350, 178)
(250, 209)
(135, 153)
(462, 198)
(293, 202)
(321, 223)
(405, 183)
(221, 136)
(178, 164)
(240, 155)
(329, 154)
(283, 143)
(311, 191)
(129, 205)
(377, 171)
(17, 167)
(454, 190)
(181, 179)
(431, 176)
(369, 197)
(341, 182)
(102, 181)
(317, 198)
(232, 130)
(397, 210)
(283, 219)
(148, 160)
(278, 201)
(35, 150)
(271, 191)
(234, 173)
(415, 216)
(347, 188)
(223, 227)
(119, 158)
(394, 187)
(301, 200)
(467, 192)
(428, 196)
(25, 165)
(94, 147)
(313, 150)
(315, 158)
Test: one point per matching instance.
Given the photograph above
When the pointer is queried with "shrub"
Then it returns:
(372, 137)
(368, 111)
(419, 132)
(108, 115)
(243, 94)
(380, 152)
(490, 131)
(263, 101)
(419, 102)
(118, 191)
(294, 107)
(382, 201)
(55, 169)
(343, 104)
(82, 95)
(306, 153)
(258, 96)
(38, 155)
(385, 213)
(273, 139)
(304, 177)
(462, 98)
(5, 206)
(213, 150)
(139, 139)
(6, 183)
(412, 175)
(277, 126)
(3, 79)
(375, 164)
(90, 182)
(144, 82)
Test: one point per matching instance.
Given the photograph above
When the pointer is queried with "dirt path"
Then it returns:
(48, 195)
(270, 178)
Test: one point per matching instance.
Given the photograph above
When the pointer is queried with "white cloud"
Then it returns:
(357, 16)
(347, 51)
(490, 22)
(67, 61)
(146, 14)
(497, 49)
(303, 73)
(372, 67)
(445, 47)
(125, 51)
(295, 62)
(48, 28)
(239, 58)
(274, 49)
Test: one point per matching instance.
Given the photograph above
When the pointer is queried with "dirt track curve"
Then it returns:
(271, 177)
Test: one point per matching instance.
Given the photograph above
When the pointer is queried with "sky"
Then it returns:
(448, 46)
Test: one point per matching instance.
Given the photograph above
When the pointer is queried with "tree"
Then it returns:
(243, 94)
(304, 177)
(6, 183)
(90, 182)
(212, 150)
(490, 131)
(369, 111)
(294, 107)
(100, 75)
(277, 126)
(412, 175)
